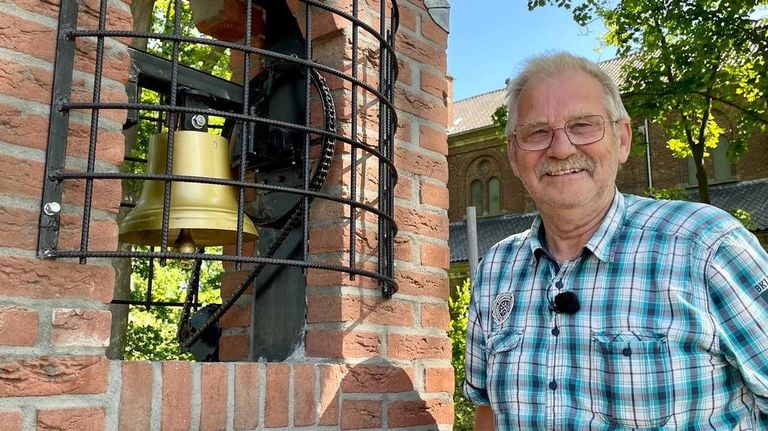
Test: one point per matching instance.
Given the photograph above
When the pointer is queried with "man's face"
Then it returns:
(565, 176)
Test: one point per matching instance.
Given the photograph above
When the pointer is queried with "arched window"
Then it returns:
(476, 194)
(494, 196)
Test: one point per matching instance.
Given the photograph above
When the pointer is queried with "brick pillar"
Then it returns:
(54, 318)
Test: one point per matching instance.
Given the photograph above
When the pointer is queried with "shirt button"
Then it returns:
(553, 385)
(555, 331)
(627, 351)
(559, 285)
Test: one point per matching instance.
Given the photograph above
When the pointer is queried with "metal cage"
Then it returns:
(235, 105)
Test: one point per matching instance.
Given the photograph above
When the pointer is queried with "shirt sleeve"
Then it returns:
(475, 359)
(737, 277)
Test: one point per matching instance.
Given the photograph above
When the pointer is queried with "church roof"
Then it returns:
(751, 195)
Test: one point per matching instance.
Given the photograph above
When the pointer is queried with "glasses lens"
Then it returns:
(585, 130)
(534, 136)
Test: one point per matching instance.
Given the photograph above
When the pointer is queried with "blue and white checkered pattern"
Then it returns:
(672, 332)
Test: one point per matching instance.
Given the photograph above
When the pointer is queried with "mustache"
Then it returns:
(575, 162)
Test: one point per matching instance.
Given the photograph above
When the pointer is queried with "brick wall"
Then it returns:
(367, 362)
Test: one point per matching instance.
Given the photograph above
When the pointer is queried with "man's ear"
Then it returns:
(625, 140)
(512, 156)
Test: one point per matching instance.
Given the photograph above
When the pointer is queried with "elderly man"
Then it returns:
(613, 312)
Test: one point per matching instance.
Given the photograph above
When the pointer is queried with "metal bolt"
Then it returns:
(51, 208)
(198, 121)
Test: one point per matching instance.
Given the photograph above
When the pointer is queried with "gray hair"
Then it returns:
(553, 64)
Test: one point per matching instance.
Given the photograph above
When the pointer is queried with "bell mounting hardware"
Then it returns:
(228, 164)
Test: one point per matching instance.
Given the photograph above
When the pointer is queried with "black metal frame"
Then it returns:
(156, 73)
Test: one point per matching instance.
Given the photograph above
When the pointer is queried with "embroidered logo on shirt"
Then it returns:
(762, 289)
(502, 307)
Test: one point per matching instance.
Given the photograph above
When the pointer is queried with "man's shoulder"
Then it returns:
(509, 246)
(677, 218)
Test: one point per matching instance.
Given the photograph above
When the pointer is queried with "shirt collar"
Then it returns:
(601, 242)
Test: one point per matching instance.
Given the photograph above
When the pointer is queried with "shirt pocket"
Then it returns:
(503, 366)
(631, 385)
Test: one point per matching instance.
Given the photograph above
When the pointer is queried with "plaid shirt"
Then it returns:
(672, 332)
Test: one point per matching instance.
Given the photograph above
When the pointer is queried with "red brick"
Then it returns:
(21, 35)
(419, 412)
(324, 278)
(403, 131)
(247, 399)
(43, 279)
(28, 130)
(422, 284)
(18, 326)
(422, 164)
(377, 379)
(374, 310)
(304, 404)
(73, 375)
(433, 32)
(341, 344)
(231, 281)
(435, 316)
(330, 382)
(436, 85)
(433, 139)
(74, 419)
(434, 194)
(439, 379)
(81, 327)
(239, 316)
(408, 17)
(234, 348)
(421, 222)
(11, 420)
(404, 188)
(422, 105)
(403, 248)
(404, 72)
(19, 229)
(213, 397)
(136, 396)
(50, 10)
(21, 177)
(276, 404)
(177, 396)
(416, 48)
(361, 414)
(435, 255)
(412, 347)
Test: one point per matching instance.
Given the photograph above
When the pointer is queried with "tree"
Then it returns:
(464, 411)
(690, 64)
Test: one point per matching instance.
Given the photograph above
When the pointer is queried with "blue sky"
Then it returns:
(487, 43)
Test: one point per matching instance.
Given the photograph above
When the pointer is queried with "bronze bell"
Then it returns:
(201, 214)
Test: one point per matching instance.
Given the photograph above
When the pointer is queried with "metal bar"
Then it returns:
(148, 304)
(307, 115)
(58, 129)
(94, 132)
(353, 156)
(245, 129)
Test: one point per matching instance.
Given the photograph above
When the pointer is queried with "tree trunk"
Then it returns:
(701, 173)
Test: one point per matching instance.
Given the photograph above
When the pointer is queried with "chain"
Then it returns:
(186, 334)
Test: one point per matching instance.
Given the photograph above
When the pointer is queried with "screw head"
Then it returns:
(51, 208)
(198, 121)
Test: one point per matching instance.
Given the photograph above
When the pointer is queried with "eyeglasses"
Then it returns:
(580, 131)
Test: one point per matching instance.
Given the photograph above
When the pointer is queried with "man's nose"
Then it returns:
(561, 146)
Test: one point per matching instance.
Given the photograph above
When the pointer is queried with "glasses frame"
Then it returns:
(564, 128)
